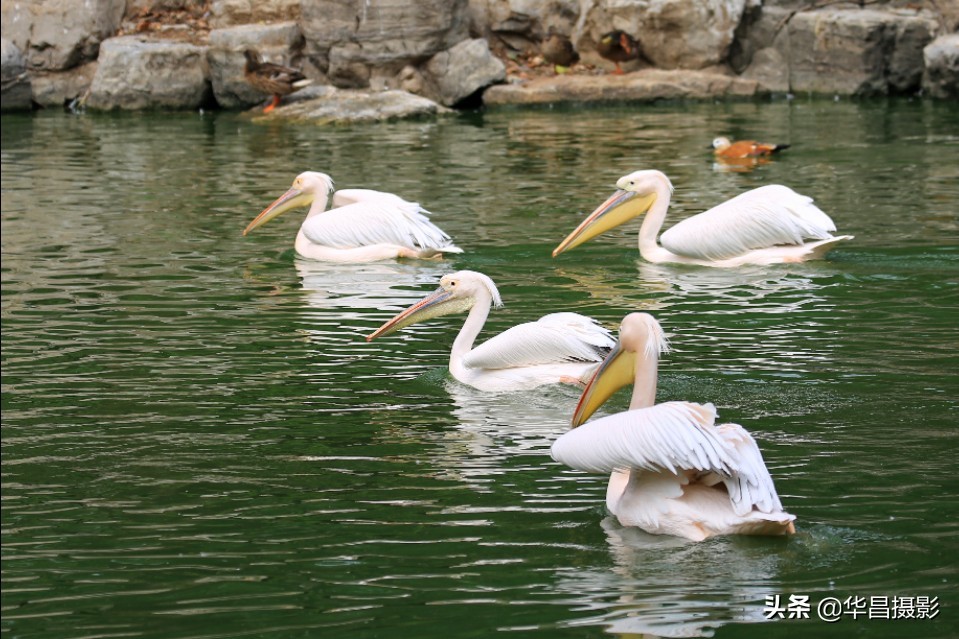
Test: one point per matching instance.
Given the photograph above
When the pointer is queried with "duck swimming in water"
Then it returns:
(725, 148)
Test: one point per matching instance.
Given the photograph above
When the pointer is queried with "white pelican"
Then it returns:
(559, 347)
(767, 225)
(674, 471)
(363, 225)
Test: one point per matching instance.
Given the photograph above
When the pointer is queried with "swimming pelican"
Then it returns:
(767, 225)
(674, 471)
(727, 149)
(559, 347)
(363, 225)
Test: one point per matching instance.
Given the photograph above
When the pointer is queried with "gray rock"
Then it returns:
(949, 16)
(770, 69)
(229, 13)
(55, 88)
(330, 105)
(138, 73)
(647, 85)
(348, 70)
(857, 52)
(137, 6)
(281, 43)
(905, 65)
(673, 34)
(60, 34)
(521, 24)
(460, 72)
(15, 90)
(941, 76)
(689, 34)
(411, 80)
(762, 27)
(347, 38)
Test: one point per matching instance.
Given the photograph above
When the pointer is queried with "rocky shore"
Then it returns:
(383, 59)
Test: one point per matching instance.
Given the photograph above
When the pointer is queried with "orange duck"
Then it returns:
(270, 78)
(725, 149)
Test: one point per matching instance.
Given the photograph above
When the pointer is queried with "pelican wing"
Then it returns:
(760, 218)
(553, 339)
(752, 486)
(673, 437)
(344, 197)
(377, 220)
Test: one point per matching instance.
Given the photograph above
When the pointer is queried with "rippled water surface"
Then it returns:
(199, 442)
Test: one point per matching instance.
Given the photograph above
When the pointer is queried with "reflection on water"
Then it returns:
(388, 285)
(198, 441)
(739, 165)
(740, 286)
(490, 427)
(659, 586)
(673, 588)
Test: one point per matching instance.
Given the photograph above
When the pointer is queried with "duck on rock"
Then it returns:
(273, 79)
(558, 50)
(617, 47)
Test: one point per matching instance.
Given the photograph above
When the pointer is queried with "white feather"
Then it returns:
(673, 437)
(344, 197)
(363, 226)
(558, 348)
(377, 220)
(768, 216)
(554, 338)
(485, 281)
(753, 486)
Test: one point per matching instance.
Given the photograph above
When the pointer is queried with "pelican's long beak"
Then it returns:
(440, 302)
(616, 371)
(292, 199)
(619, 208)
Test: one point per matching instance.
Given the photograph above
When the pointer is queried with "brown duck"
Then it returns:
(559, 51)
(618, 46)
(270, 78)
(726, 148)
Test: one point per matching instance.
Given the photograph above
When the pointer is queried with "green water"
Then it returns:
(199, 442)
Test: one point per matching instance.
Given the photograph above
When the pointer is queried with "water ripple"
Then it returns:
(198, 441)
